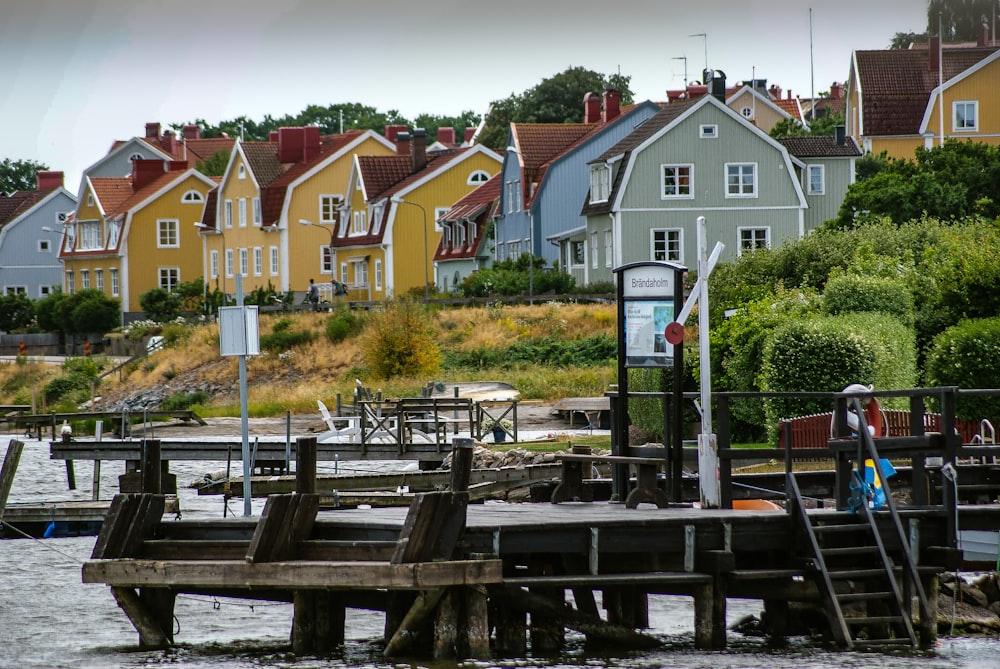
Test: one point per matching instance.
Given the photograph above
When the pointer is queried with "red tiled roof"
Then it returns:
(479, 205)
(790, 107)
(811, 146)
(203, 149)
(18, 202)
(482, 196)
(379, 173)
(137, 196)
(896, 85)
(111, 191)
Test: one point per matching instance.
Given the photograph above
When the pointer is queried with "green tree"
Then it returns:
(823, 126)
(215, 165)
(160, 305)
(16, 311)
(960, 20)
(904, 40)
(19, 174)
(93, 311)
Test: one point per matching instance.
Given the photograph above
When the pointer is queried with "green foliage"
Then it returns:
(514, 277)
(959, 20)
(849, 293)
(397, 341)
(160, 305)
(967, 355)
(18, 175)
(74, 382)
(174, 333)
(93, 311)
(548, 351)
(215, 165)
(283, 337)
(826, 354)
(16, 311)
(342, 324)
(821, 127)
(183, 401)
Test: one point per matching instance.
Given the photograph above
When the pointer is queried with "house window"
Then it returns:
(816, 183)
(241, 171)
(169, 278)
(229, 262)
(343, 272)
(600, 183)
(90, 235)
(747, 112)
(90, 200)
(378, 274)
(666, 245)
(166, 233)
(44, 246)
(192, 197)
(70, 283)
(274, 261)
(229, 213)
(752, 239)
(258, 261)
(257, 217)
(85, 279)
(136, 156)
(966, 115)
(593, 250)
(17, 290)
(99, 279)
(708, 131)
(578, 253)
(677, 181)
(459, 233)
(115, 286)
(328, 208)
(477, 178)
(45, 291)
(243, 212)
(325, 260)
(741, 180)
(439, 213)
(609, 248)
(244, 262)
(361, 273)
(213, 264)
(472, 232)
(513, 192)
(360, 223)
(70, 238)
(114, 229)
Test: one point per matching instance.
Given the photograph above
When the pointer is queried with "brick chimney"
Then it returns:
(272, 136)
(775, 92)
(591, 108)
(47, 180)
(610, 110)
(176, 165)
(169, 141)
(836, 91)
(192, 131)
(144, 171)
(152, 130)
(983, 35)
(446, 135)
(419, 149)
(311, 148)
(469, 134)
(402, 144)
(933, 53)
(392, 131)
(291, 144)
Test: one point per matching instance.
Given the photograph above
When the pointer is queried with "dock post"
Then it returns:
(511, 630)
(928, 619)
(305, 465)
(704, 620)
(446, 625)
(776, 622)
(9, 468)
(151, 473)
(476, 627)
(462, 451)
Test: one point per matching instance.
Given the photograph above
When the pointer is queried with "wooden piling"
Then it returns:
(10, 462)
(152, 480)
(305, 465)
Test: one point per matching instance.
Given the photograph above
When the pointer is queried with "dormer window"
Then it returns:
(600, 183)
(192, 197)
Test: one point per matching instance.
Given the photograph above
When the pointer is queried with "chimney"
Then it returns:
(192, 131)
(176, 165)
(933, 53)
(717, 86)
(469, 134)
(169, 141)
(836, 91)
(152, 130)
(272, 136)
(446, 135)
(610, 109)
(983, 35)
(392, 131)
(788, 93)
(291, 144)
(144, 171)
(840, 134)
(775, 92)
(402, 144)
(311, 138)
(47, 180)
(591, 108)
(419, 149)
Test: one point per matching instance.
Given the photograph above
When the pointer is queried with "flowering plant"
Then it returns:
(491, 424)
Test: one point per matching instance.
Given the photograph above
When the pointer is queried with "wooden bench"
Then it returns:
(571, 483)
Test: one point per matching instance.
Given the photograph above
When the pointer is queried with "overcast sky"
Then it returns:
(79, 74)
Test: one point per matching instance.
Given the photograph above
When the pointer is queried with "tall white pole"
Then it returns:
(940, 84)
(708, 448)
(244, 428)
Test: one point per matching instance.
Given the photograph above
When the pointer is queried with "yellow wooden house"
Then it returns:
(388, 231)
(131, 234)
(901, 99)
(270, 219)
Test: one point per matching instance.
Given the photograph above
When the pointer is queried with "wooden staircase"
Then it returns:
(866, 595)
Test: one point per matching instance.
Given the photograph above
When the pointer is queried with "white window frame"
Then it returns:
(708, 131)
(593, 250)
(378, 274)
(169, 278)
(242, 210)
(44, 246)
(168, 233)
(329, 204)
(660, 248)
(965, 105)
(609, 248)
(274, 260)
(258, 217)
(439, 213)
(478, 178)
(600, 182)
(741, 175)
(45, 290)
(244, 262)
(343, 272)
(70, 282)
(325, 259)
(229, 263)
(84, 279)
(578, 261)
(89, 234)
(741, 230)
(213, 264)
(676, 172)
(99, 279)
(258, 261)
(241, 171)
(360, 225)
(361, 273)
(115, 283)
(228, 214)
(811, 188)
(192, 197)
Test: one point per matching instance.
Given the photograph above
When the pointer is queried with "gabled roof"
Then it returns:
(896, 84)
(110, 192)
(650, 127)
(19, 202)
(379, 173)
(820, 147)
(479, 206)
(262, 160)
(482, 197)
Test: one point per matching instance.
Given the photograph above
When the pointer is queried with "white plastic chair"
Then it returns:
(351, 432)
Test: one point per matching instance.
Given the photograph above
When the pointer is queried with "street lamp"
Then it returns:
(531, 240)
(427, 282)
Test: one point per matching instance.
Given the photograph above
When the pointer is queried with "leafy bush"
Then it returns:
(552, 352)
(399, 342)
(182, 401)
(283, 339)
(74, 382)
(967, 355)
(160, 305)
(342, 324)
(849, 293)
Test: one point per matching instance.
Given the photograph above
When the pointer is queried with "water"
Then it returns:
(50, 620)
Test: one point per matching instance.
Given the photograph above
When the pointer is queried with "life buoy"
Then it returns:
(873, 416)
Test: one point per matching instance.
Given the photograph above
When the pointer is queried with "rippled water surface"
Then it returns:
(49, 619)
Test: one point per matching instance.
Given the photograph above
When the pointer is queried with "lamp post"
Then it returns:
(333, 233)
(531, 239)
(222, 270)
(427, 282)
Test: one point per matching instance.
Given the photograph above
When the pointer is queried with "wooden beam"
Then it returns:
(10, 462)
(151, 634)
(409, 629)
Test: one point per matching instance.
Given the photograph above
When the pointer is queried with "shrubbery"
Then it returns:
(968, 355)
(283, 337)
(343, 323)
(399, 342)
